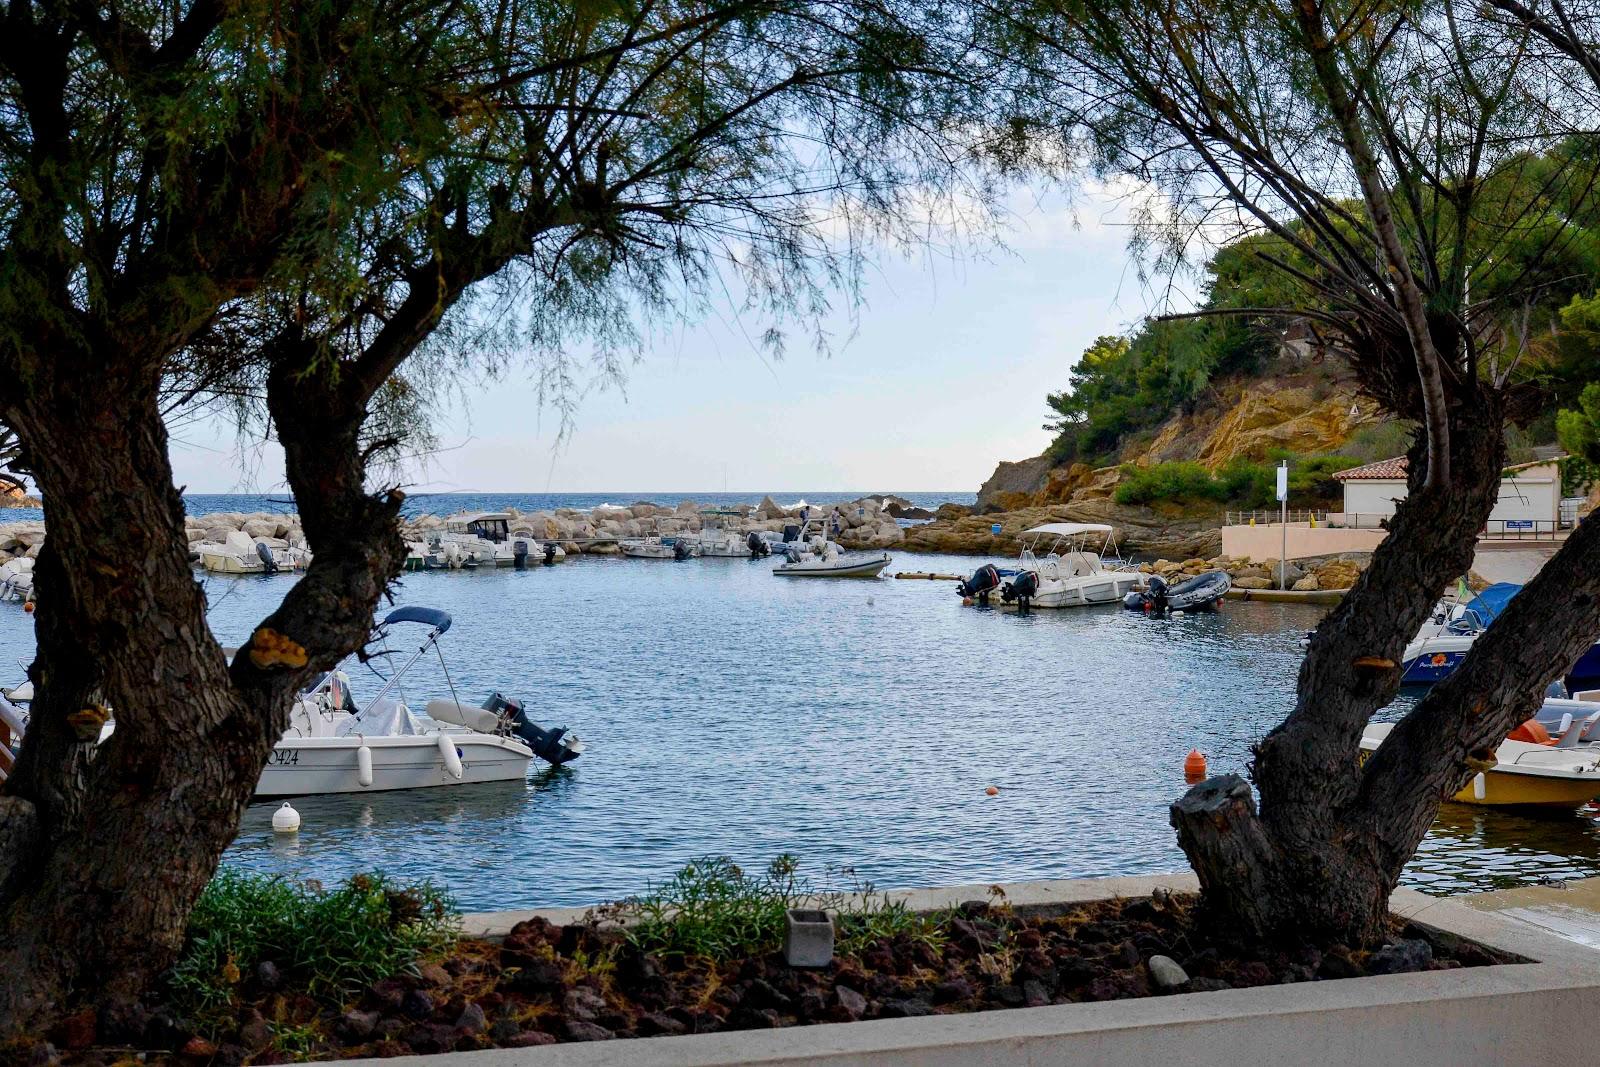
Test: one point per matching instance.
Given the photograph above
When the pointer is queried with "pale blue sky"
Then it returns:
(946, 375)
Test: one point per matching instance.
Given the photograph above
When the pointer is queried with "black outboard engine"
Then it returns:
(519, 555)
(1022, 589)
(758, 546)
(682, 550)
(546, 744)
(549, 553)
(269, 565)
(1152, 599)
(791, 532)
(984, 581)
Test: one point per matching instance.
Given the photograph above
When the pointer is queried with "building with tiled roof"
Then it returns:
(1383, 470)
(1530, 495)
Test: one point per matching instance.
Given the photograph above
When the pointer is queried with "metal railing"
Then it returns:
(1521, 529)
(1273, 517)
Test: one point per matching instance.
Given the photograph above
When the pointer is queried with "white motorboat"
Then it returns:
(240, 553)
(16, 579)
(717, 541)
(332, 746)
(814, 556)
(650, 546)
(484, 539)
(1079, 567)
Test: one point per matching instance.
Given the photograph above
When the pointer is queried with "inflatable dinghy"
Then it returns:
(1197, 594)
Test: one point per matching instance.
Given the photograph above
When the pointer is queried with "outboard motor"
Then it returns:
(682, 550)
(269, 565)
(546, 744)
(984, 581)
(1022, 589)
(549, 553)
(1153, 598)
(758, 546)
(519, 554)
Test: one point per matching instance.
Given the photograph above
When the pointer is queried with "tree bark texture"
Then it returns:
(1311, 863)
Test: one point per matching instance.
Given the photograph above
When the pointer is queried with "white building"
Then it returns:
(1530, 496)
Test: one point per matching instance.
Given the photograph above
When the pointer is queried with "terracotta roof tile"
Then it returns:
(1384, 469)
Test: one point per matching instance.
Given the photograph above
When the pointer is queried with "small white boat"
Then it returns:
(1530, 767)
(814, 556)
(650, 546)
(16, 579)
(484, 539)
(1073, 572)
(717, 541)
(240, 553)
(331, 746)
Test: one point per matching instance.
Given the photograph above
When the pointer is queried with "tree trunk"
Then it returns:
(124, 835)
(1308, 866)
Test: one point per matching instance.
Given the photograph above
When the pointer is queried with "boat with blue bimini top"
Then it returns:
(334, 746)
(1444, 641)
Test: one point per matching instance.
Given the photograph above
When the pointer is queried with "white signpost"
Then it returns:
(1283, 517)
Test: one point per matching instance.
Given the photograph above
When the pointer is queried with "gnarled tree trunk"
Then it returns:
(124, 835)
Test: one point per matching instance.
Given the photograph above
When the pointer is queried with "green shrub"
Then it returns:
(1177, 481)
(712, 908)
(329, 943)
(1240, 483)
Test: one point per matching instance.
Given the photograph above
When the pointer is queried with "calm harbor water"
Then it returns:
(851, 723)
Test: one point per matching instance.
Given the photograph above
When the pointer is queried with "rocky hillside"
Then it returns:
(1303, 409)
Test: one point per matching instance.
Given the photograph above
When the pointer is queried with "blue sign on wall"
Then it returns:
(1519, 524)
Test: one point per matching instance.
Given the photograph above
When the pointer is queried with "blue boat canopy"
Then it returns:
(1488, 604)
(439, 620)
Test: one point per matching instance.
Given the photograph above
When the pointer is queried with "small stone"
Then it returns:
(583, 1003)
(198, 1048)
(906, 1009)
(539, 976)
(417, 1004)
(1165, 972)
(269, 976)
(1401, 957)
(653, 1023)
(955, 989)
(472, 1019)
(1034, 994)
(530, 1038)
(1009, 995)
(1339, 965)
(853, 1004)
(257, 1033)
(434, 975)
(388, 992)
(504, 1029)
(358, 1024)
(583, 1030)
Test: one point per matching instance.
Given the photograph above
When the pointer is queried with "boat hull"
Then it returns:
(1107, 588)
(848, 569)
(1526, 776)
(309, 765)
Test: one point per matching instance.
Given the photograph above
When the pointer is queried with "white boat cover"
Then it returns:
(441, 709)
(384, 718)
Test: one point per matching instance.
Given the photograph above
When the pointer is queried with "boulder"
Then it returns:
(769, 509)
(1252, 583)
(1308, 584)
(1165, 973)
(1290, 575)
(1338, 574)
(1254, 571)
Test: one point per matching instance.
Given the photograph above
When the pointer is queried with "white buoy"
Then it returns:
(364, 765)
(452, 759)
(285, 820)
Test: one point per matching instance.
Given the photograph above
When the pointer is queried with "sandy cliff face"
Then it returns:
(1305, 411)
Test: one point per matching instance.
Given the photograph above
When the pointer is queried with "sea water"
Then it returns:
(852, 723)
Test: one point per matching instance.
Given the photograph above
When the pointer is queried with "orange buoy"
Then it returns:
(1194, 766)
(993, 791)
(27, 606)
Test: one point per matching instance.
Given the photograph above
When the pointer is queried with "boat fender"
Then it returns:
(364, 766)
(452, 758)
(1479, 786)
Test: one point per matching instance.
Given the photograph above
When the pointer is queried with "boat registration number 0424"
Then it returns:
(283, 758)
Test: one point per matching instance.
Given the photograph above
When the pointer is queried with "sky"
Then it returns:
(945, 375)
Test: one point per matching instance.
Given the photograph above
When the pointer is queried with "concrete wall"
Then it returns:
(1515, 1014)
(1266, 542)
(1372, 499)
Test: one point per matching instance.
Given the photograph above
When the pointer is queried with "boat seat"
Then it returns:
(440, 709)
(1577, 730)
